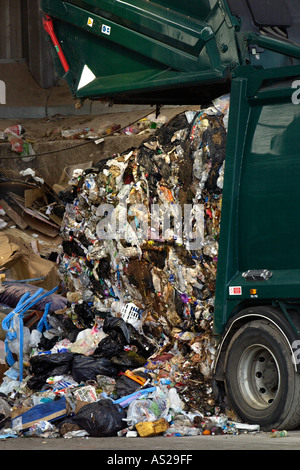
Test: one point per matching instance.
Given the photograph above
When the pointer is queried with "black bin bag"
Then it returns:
(88, 367)
(45, 365)
(101, 418)
(52, 364)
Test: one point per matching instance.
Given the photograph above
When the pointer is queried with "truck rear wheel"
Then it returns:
(261, 382)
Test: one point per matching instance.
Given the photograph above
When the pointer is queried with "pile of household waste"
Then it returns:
(128, 349)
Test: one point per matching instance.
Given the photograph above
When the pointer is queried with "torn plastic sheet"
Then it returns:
(8, 432)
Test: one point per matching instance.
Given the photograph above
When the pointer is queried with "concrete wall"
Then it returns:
(12, 39)
(22, 38)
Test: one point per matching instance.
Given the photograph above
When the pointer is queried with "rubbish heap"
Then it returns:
(130, 352)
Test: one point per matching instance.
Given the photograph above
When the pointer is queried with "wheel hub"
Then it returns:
(259, 376)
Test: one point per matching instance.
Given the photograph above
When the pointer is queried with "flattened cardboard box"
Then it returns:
(23, 263)
(45, 411)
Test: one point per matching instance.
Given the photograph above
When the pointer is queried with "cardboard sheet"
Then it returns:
(23, 263)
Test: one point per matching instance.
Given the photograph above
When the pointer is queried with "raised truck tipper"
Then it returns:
(177, 52)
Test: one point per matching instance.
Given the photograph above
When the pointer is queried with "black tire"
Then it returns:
(261, 382)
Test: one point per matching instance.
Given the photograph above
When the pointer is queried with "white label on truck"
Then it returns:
(105, 29)
(87, 76)
(235, 290)
(90, 22)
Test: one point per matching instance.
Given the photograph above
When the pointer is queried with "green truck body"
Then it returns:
(191, 52)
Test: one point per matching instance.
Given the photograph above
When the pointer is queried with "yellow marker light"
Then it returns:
(253, 291)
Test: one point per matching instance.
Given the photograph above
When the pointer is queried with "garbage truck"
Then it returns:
(174, 52)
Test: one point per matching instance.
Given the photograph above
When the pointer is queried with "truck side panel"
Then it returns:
(260, 225)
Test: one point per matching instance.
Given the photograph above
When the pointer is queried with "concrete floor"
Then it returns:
(158, 445)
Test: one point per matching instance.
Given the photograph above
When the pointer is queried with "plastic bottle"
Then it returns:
(276, 433)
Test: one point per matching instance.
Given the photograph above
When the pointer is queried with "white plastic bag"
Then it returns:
(87, 341)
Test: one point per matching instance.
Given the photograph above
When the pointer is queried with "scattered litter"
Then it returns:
(276, 433)
(7, 432)
(15, 136)
(31, 172)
